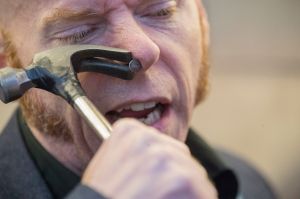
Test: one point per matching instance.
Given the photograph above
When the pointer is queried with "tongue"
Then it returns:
(136, 114)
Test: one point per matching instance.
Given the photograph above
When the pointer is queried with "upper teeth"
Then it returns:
(138, 106)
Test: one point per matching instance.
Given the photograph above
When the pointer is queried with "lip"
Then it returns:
(161, 124)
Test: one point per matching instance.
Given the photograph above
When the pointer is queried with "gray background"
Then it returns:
(254, 105)
(253, 108)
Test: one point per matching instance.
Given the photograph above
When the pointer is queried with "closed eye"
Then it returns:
(162, 13)
(77, 37)
(161, 10)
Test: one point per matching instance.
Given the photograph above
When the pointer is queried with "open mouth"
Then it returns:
(149, 112)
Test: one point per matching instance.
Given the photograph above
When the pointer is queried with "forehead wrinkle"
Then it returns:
(59, 14)
(67, 14)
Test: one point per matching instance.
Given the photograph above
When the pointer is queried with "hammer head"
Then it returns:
(57, 66)
(72, 55)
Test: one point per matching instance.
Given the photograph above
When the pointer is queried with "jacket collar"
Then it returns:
(19, 175)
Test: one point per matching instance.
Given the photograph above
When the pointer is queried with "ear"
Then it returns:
(203, 84)
(200, 8)
(203, 21)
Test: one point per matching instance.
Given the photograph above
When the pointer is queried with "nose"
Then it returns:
(127, 34)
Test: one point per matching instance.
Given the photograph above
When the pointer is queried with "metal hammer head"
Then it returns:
(56, 66)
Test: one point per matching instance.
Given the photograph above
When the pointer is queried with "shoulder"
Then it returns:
(231, 174)
(17, 170)
(252, 184)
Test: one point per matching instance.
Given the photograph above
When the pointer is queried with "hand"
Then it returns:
(139, 162)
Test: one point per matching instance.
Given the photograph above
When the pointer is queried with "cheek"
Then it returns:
(181, 59)
(94, 84)
(52, 102)
(181, 54)
(25, 38)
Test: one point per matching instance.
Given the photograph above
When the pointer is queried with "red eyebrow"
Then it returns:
(67, 14)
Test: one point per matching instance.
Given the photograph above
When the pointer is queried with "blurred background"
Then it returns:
(253, 108)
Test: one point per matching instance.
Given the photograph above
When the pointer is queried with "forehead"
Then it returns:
(75, 3)
(32, 7)
(38, 10)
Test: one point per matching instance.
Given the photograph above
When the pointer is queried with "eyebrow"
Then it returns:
(61, 14)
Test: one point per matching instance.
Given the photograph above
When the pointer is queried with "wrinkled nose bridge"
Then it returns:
(128, 34)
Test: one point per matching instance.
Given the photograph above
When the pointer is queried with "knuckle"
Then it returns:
(142, 142)
(184, 147)
(126, 122)
(159, 152)
(163, 158)
(201, 170)
(213, 191)
(126, 126)
(158, 158)
(182, 182)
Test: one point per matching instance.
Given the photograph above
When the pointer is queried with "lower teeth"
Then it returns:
(152, 117)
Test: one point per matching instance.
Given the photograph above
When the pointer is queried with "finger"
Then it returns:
(125, 127)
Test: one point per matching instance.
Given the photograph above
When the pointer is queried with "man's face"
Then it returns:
(165, 35)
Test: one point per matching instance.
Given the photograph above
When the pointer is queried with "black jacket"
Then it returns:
(20, 179)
